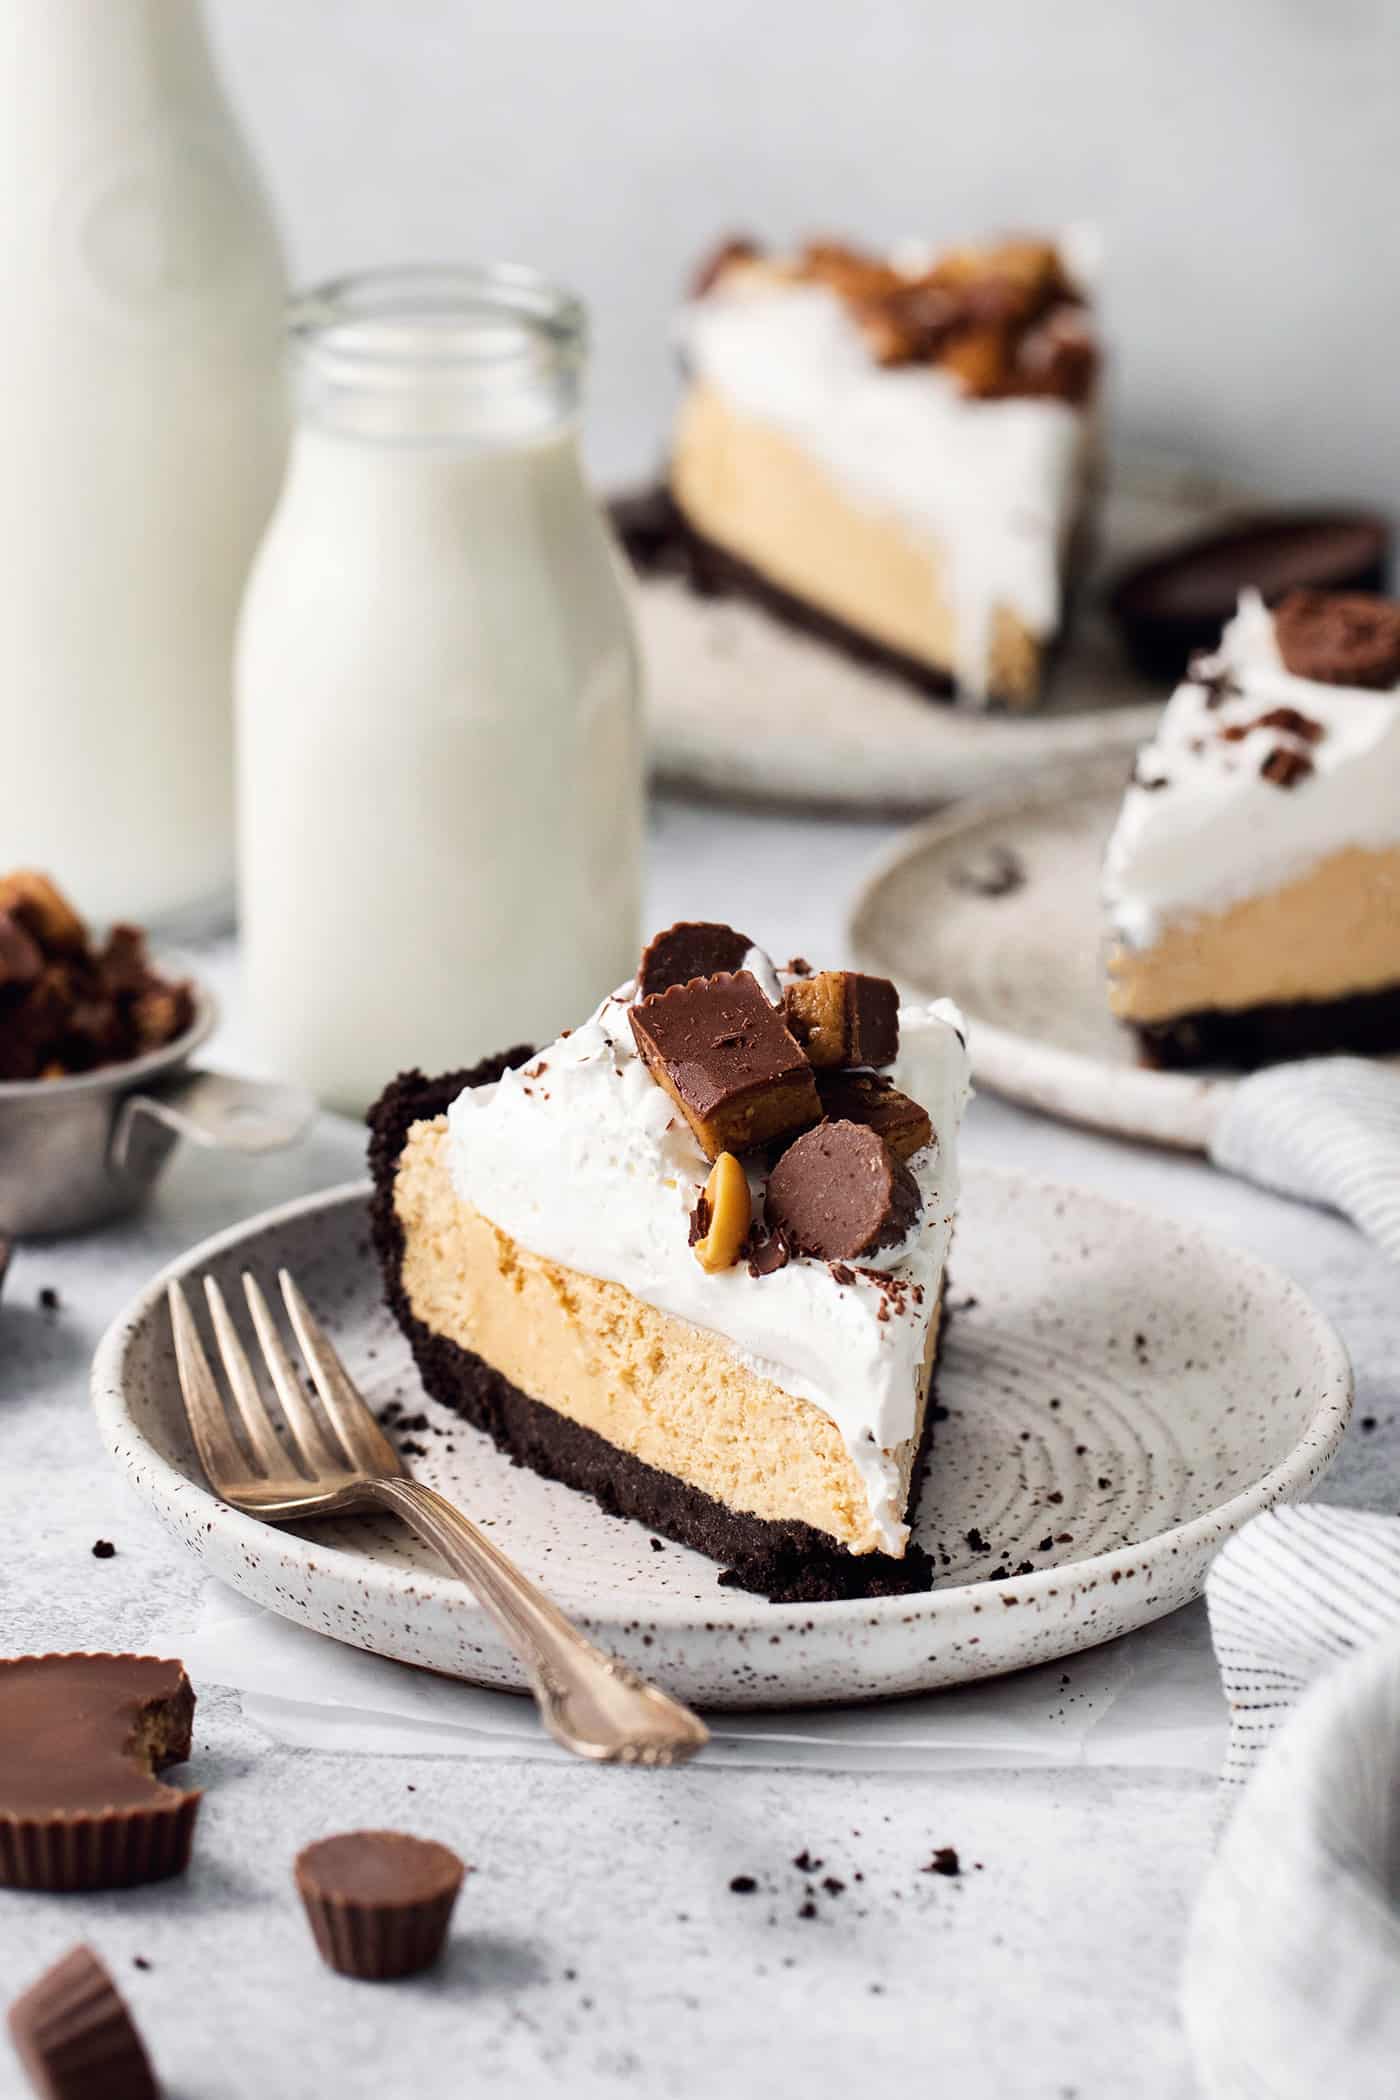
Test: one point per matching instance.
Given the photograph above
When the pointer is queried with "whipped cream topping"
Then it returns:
(583, 1159)
(1217, 831)
(995, 483)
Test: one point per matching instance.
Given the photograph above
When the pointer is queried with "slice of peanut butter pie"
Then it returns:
(689, 1258)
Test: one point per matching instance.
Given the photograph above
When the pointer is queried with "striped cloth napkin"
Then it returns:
(1326, 1129)
(1291, 1987)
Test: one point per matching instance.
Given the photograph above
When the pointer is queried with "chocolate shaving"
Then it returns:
(766, 1251)
(1285, 768)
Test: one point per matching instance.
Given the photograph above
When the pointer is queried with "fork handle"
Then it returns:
(590, 1701)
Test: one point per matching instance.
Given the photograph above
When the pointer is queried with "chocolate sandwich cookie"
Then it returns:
(728, 1061)
(75, 2037)
(378, 1902)
(81, 1740)
(839, 1193)
(1175, 603)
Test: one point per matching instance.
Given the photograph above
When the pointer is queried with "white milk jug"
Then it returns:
(440, 771)
(142, 434)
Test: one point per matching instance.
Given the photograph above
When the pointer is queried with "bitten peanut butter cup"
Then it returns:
(1340, 637)
(840, 1193)
(75, 2037)
(81, 1740)
(691, 948)
(378, 1902)
(728, 1061)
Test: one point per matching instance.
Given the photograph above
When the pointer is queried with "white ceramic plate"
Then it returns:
(741, 706)
(1123, 1395)
(1026, 963)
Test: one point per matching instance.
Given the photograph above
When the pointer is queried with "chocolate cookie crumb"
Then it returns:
(103, 1549)
(945, 1861)
(49, 1300)
(743, 1885)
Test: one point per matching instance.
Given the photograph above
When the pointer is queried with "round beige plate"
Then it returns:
(1122, 1394)
(996, 905)
(739, 705)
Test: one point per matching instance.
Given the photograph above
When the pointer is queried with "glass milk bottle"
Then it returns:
(439, 752)
(142, 435)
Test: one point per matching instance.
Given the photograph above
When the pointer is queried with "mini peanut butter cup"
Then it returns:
(378, 1902)
(75, 2038)
(81, 1740)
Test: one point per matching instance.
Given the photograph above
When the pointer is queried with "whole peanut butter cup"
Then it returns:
(378, 1902)
(75, 2037)
(81, 1740)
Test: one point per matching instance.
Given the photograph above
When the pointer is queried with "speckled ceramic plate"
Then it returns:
(1122, 1393)
(741, 706)
(996, 905)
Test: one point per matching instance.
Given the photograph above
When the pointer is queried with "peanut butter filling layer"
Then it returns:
(752, 491)
(1329, 934)
(671, 1394)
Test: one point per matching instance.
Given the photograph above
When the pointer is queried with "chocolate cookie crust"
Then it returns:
(786, 1562)
(1366, 1023)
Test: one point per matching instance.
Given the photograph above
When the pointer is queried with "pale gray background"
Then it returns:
(1239, 156)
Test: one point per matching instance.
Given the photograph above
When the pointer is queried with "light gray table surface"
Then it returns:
(598, 1948)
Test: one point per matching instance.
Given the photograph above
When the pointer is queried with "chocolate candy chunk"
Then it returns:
(692, 948)
(725, 1057)
(839, 1192)
(1340, 637)
(1285, 768)
(378, 1902)
(866, 1097)
(843, 1018)
(21, 958)
(76, 2039)
(1293, 724)
(81, 1739)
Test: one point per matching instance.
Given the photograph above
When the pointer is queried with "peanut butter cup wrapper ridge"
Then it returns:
(75, 2037)
(113, 1848)
(376, 1938)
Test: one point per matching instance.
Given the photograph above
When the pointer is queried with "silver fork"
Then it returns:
(592, 1703)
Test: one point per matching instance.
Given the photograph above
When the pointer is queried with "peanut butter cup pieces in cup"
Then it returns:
(81, 1740)
(378, 1901)
(75, 2038)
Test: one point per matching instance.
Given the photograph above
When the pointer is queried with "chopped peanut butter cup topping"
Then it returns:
(728, 1061)
(1340, 637)
(691, 948)
(67, 1005)
(866, 1097)
(843, 1018)
(1002, 319)
(839, 1193)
